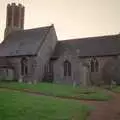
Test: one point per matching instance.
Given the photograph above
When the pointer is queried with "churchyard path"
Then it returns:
(109, 110)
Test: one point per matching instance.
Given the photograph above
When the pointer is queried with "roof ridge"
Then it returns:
(26, 30)
(89, 37)
(24, 43)
(37, 28)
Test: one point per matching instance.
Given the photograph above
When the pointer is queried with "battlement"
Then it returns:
(14, 4)
(14, 17)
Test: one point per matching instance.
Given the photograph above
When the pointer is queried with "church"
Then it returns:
(36, 55)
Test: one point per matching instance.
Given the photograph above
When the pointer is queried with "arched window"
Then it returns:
(49, 67)
(24, 66)
(48, 72)
(94, 65)
(67, 68)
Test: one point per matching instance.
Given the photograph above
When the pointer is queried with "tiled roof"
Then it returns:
(24, 42)
(92, 46)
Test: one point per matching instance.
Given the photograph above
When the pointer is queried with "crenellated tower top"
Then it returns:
(14, 18)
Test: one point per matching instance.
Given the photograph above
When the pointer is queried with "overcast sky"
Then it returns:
(72, 18)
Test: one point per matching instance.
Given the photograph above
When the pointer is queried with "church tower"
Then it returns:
(14, 18)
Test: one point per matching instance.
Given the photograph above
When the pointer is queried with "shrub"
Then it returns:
(111, 72)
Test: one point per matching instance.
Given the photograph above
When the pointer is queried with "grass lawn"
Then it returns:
(61, 90)
(116, 89)
(23, 106)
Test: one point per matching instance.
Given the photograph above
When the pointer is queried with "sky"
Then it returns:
(71, 18)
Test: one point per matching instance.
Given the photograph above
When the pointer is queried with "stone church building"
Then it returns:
(36, 55)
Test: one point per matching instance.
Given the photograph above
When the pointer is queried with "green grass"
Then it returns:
(23, 106)
(116, 89)
(61, 90)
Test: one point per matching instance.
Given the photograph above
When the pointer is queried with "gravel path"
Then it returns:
(109, 110)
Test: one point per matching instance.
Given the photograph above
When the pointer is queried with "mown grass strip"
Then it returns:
(61, 90)
(22, 106)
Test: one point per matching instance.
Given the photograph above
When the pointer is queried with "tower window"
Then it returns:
(67, 68)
